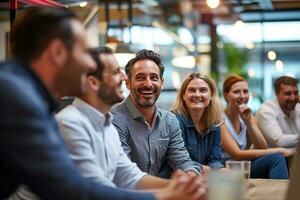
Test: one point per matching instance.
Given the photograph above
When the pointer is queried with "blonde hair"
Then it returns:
(212, 114)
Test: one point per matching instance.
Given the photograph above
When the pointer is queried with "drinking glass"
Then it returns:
(243, 166)
(225, 185)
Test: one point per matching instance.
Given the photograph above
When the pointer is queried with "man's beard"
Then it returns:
(146, 103)
(291, 105)
(109, 97)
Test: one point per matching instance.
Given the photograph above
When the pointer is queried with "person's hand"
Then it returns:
(205, 171)
(225, 170)
(184, 186)
(191, 173)
(286, 152)
(245, 113)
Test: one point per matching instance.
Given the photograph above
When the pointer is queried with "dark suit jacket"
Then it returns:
(32, 151)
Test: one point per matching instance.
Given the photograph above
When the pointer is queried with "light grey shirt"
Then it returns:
(94, 145)
(279, 129)
(156, 149)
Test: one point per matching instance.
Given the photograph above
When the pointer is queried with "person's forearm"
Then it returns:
(252, 154)
(286, 140)
(152, 182)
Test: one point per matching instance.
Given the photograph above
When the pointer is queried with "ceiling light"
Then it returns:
(213, 3)
(251, 72)
(279, 65)
(272, 55)
(83, 4)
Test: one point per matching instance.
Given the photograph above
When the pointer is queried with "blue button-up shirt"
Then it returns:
(204, 149)
(155, 149)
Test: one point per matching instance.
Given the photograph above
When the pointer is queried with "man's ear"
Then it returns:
(93, 83)
(58, 53)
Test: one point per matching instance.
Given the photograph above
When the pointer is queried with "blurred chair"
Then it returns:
(293, 192)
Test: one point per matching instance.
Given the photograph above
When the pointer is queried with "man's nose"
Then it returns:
(293, 97)
(147, 82)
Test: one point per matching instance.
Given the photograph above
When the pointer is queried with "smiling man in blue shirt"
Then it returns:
(150, 136)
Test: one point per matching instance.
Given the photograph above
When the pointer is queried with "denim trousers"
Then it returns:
(271, 166)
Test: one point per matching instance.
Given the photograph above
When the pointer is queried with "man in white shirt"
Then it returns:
(279, 120)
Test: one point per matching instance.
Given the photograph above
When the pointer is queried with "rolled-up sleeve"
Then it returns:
(127, 174)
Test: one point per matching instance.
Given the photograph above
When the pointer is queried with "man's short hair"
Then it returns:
(34, 29)
(96, 52)
(284, 80)
(145, 54)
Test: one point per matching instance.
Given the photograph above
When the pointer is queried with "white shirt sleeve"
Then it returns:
(267, 120)
(127, 174)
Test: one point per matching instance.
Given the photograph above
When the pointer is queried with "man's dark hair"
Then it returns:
(96, 52)
(37, 27)
(284, 80)
(145, 54)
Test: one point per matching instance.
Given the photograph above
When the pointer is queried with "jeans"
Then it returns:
(271, 166)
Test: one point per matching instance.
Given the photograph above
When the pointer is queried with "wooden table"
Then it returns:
(266, 189)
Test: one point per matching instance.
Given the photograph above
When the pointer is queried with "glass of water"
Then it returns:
(243, 166)
(225, 186)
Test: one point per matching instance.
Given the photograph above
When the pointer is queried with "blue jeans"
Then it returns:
(271, 166)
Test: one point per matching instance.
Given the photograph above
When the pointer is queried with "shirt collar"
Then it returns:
(95, 116)
(135, 113)
(188, 122)
(243, 125)
(229, 123)
(279, 108)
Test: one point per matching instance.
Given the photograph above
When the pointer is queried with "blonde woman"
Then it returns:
(240, 130)
(198, 111)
